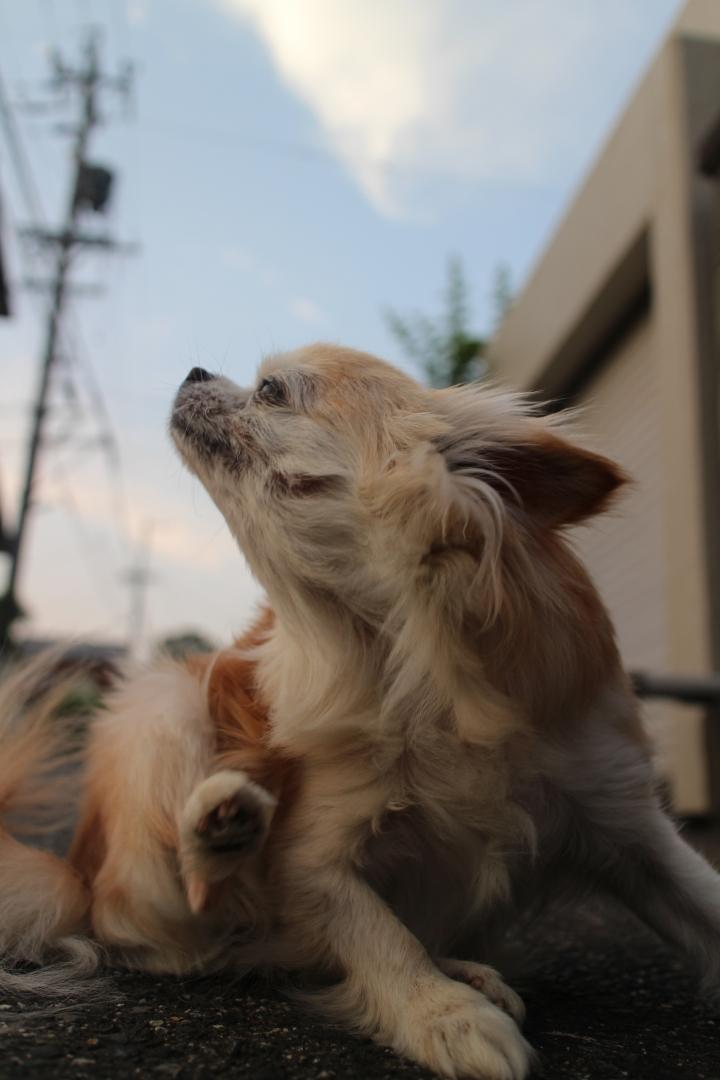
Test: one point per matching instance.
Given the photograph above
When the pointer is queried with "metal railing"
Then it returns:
(690, 689)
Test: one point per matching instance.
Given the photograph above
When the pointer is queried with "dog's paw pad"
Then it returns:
(226, 814)
(237, 824)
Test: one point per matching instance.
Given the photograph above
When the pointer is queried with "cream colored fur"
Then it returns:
(151, 778)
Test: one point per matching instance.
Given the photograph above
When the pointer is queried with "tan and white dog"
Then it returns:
(435, 698)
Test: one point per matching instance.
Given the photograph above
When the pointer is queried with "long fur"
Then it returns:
(43, 902)
(434, 697)
(174, 744)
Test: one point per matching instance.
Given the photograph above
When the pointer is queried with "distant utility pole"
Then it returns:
(137, 578)
(90, 188)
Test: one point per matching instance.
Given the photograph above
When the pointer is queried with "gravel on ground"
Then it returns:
(606, 1000)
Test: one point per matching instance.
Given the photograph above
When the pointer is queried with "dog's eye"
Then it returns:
(272, 392)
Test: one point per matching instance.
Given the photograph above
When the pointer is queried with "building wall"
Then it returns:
(627, 249)
(626, 549)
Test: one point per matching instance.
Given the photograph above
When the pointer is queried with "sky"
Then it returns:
(286, 171)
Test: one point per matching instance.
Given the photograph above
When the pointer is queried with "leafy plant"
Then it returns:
(445, 349)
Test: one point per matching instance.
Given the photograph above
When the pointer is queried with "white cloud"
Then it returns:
(308, 311)
(480, 89)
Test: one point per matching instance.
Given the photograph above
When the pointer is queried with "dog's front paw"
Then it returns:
(489, 982)
(456, 1031)
(225, 820)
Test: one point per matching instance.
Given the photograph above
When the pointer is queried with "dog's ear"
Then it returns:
(536, 472)
(483, 459)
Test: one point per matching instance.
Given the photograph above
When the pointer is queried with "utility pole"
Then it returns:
(89, 189)
(137, 578)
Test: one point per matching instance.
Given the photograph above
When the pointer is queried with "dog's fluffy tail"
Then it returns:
(43, 903)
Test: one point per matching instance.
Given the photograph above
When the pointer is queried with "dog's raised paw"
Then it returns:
(235, 824)
(226, 815)
(225, 820)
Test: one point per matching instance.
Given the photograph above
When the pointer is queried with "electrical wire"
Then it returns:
(107, 438)
(77, 366)
(18, 156)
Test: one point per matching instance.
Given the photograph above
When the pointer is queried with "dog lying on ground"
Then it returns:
(436, 699)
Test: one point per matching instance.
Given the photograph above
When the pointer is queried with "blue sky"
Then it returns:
(290, 168)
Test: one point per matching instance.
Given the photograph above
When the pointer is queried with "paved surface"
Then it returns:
(606, 1001)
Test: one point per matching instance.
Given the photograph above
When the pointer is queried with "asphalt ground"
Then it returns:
(605, 1000)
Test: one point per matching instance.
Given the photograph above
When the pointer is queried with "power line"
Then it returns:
(76, 350)
(107, 438)
(89, 189)
(76, 363)
(20, 160)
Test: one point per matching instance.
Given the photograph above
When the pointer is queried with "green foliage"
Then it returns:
(184, 643)
(83, 699)
(445, 349)
(502, 294)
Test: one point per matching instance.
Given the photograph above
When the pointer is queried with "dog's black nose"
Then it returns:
(199, 374)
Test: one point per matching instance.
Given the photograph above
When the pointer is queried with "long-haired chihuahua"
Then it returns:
(429, 727)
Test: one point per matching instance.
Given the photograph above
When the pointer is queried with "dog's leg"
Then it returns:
(393, 991)
(666, 883)
(616, 834)
(675, 890)
(390, 988)
(154, 806)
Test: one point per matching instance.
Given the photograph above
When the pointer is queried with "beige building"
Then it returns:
(621, 316)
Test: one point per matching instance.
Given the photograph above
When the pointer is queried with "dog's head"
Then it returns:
(339, 475)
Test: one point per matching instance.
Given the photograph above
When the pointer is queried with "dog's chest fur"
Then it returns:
(443, 846)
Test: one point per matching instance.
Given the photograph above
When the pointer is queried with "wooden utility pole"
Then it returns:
(87, 81)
